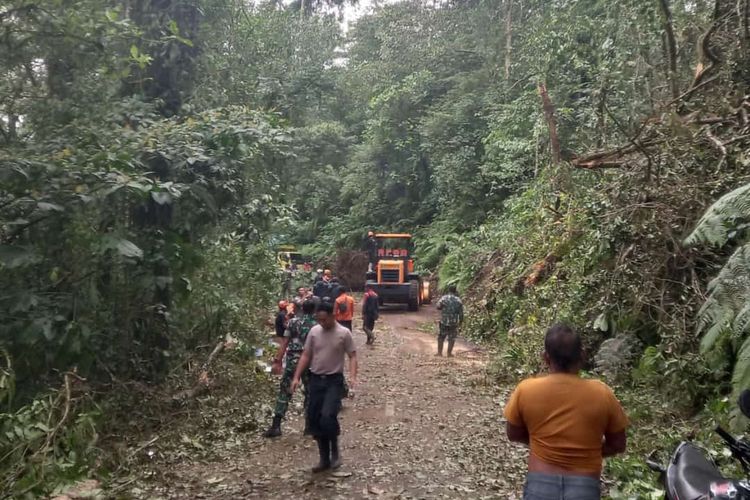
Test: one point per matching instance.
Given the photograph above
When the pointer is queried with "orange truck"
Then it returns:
(393, 277)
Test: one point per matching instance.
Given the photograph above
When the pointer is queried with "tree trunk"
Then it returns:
(170, 76)
(508, 38)
(549, 114)
(671, 47)
(601, 120)
(12, 128)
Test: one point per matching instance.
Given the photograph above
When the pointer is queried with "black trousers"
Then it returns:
(347, 324)
(325, 393)
(369, 323)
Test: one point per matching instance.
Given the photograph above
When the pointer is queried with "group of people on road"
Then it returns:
(569, 423)
(315, 335)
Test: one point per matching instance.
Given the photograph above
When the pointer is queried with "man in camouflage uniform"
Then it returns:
(292, 344)
(451, 315)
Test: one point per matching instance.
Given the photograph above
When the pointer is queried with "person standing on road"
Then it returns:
(286, 285)
(281, 318)
(292, 346)
(343, 309)
(335, 289)
(372, 251)
(451, 316)
(570, 423)
(325, 350)
(322, 287)
(299, 299)
(370, 312)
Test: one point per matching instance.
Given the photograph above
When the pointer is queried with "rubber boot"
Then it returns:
(275, 429)
(451, 343)
(440, 347)
(335, 456)
(324, 449)
(306, 431)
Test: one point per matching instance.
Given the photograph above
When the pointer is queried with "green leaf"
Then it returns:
(721, 218)
(161, 197)
(12, 256)
(162, 282)
(711, 336)
(139, 186)
(601, 323)
(741, 380)
(124, 247)
(129, 249)
(44, 326)
(134, 52)
(47, 207)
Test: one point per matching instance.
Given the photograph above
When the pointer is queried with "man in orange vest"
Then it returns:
(344, 309)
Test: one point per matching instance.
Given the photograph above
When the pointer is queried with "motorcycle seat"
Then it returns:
(690, 473)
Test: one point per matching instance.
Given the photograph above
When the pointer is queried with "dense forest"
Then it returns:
(576, 160)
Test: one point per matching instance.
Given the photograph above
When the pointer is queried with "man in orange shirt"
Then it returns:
(344, 309)
(569, 423)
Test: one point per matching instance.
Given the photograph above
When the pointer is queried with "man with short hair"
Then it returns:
(343, 309)
(325, 349)
(292, 345)
(569, 422)
(370, 312)
(451, 316)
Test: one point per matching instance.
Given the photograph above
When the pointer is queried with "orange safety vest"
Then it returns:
(347, 315)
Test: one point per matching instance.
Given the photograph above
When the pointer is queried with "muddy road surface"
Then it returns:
(418, 426)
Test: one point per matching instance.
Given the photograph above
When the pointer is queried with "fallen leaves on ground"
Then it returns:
(420, 427)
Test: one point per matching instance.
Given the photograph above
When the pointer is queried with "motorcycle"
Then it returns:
(692, 475)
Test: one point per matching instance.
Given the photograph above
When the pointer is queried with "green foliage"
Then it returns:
(723, 220)
(726, 311)
(219, 299)
(154, 154)
(47, 443)
(130, 207)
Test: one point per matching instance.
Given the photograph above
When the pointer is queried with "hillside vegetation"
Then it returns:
(555, 158)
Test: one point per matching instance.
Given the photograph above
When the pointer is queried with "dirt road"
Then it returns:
(418, 427)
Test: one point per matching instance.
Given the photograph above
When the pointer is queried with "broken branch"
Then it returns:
(549, 114)
(203, 380)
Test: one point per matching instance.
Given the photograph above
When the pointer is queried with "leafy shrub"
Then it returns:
(725, 315)
(48, 442)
